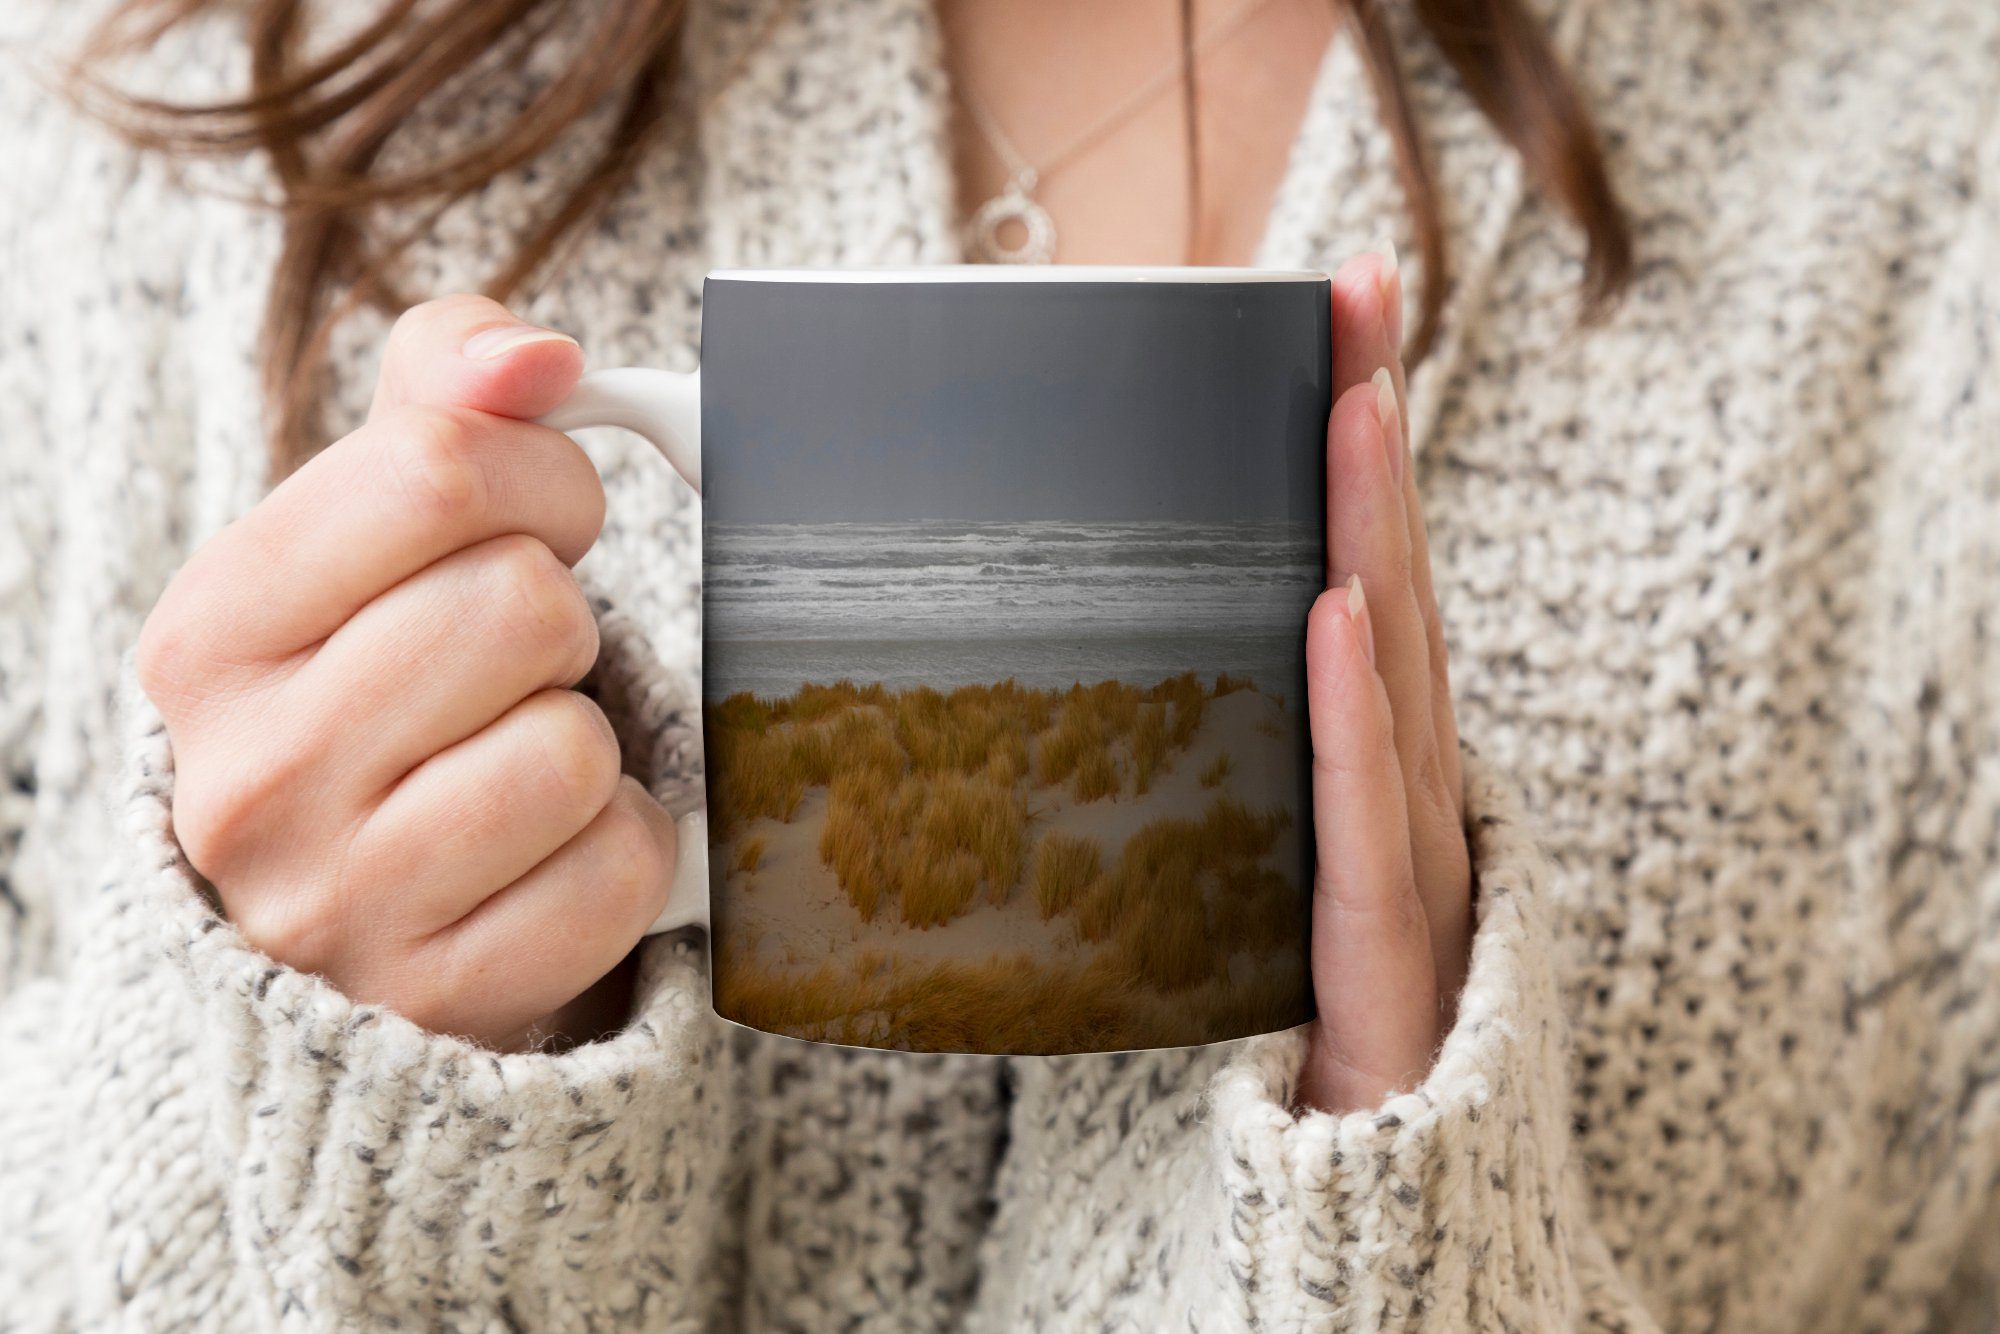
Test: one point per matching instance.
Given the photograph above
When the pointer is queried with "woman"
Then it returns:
(1688, 1030)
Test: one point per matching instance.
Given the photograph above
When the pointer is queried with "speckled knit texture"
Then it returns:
(1722, 579)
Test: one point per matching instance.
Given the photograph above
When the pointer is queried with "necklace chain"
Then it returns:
(1016, 202)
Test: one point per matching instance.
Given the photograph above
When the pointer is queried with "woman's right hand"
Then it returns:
(380, 763)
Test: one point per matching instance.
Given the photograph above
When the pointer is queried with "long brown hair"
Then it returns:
(323, 121)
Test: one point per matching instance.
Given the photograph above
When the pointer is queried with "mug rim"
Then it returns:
(1163, 274)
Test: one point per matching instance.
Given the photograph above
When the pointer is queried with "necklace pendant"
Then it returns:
(1012, 205)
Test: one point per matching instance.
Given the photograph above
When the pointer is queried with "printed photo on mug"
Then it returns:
(1005, 590)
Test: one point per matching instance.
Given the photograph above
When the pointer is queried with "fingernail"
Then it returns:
(1389, 280)
(492, 344)
(1357, 615)
(1390, 410)
(1390, 273)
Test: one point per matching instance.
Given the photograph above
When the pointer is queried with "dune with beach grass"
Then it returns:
(1009, 869)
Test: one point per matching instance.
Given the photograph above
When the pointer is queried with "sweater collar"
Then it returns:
(824, 132)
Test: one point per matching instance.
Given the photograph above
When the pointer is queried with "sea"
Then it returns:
(1046, 603)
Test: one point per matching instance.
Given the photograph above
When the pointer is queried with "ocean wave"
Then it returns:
(986, 581)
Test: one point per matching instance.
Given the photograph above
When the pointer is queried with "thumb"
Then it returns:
(471, 352)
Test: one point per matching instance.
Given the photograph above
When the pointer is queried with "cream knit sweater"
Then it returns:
(1722, 579)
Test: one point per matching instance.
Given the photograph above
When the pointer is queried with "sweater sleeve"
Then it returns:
(186, 1126)
(1198, 1190)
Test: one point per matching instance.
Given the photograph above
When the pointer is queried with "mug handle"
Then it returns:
(665, 408)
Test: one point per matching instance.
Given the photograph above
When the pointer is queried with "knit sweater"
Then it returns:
(1721, 577)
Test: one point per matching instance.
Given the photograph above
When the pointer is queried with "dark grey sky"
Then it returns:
(1013, 400)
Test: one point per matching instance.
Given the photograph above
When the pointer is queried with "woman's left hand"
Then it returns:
(1392, 893)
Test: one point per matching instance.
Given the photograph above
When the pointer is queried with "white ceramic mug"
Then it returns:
(1005, 574)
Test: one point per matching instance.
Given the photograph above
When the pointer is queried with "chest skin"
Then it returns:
(1056, 76)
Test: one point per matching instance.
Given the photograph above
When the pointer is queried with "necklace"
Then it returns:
(1016, 202)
